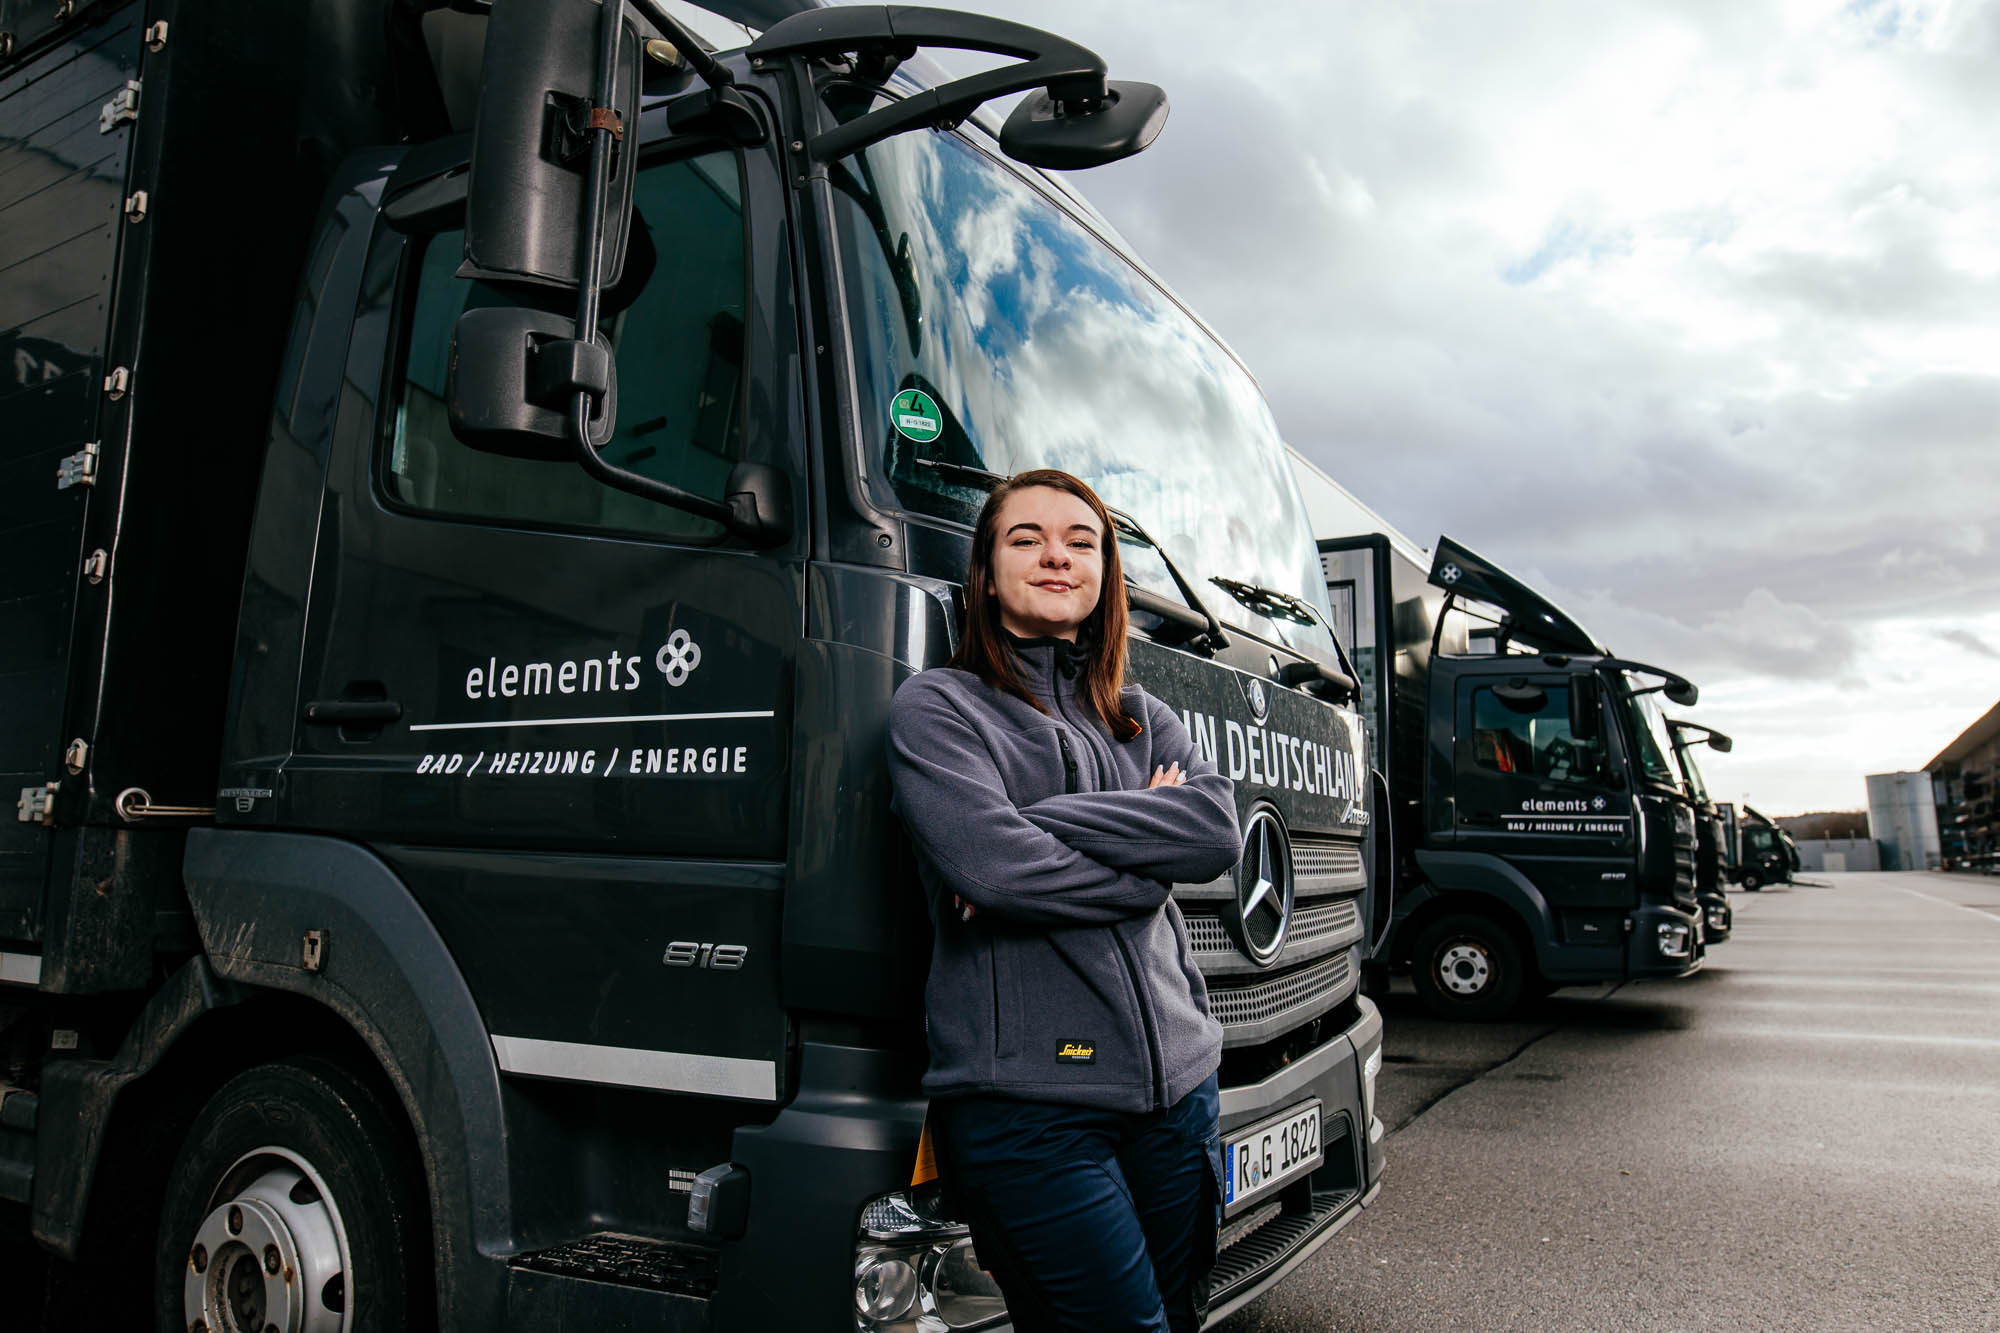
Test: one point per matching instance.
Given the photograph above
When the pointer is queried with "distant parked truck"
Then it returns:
(1710, 886)
(1541, 833)
(1765, 853)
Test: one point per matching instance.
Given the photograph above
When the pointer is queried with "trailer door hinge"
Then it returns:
(37, 805)
(156, 36)
(96, 565)
(135, 206)
(121, 109)
(77, 755)
(79, 469)
(118, 383)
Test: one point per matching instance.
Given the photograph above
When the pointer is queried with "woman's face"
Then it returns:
(1048, 563)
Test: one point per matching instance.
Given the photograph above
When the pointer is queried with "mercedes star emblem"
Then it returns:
(1264, 887)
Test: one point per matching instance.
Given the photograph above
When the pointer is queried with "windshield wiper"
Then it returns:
(1211, 637)
(1269, 602)
(977, 477)
(1207, 634)
(1272, 604)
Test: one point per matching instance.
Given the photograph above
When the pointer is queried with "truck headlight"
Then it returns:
(915, 1270)
(1673, 939)
(885, 1288)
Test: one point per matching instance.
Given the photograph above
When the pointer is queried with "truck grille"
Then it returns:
(1325, 858)
(1207, 934)
(1296, 996)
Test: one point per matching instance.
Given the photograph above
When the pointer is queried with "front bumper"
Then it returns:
(1665, 942)
(1274, 1235)
(1717, 918)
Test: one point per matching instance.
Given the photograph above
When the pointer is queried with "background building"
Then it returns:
(1963, 778)
(1902, 816)
(1823, 854)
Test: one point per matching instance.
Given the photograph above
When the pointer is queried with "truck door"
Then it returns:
(1548, 802)
(560, 711)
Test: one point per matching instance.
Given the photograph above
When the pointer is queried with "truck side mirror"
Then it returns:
(1718, 741)
(510, 382)
(1584, 708)
(531, 146)
(1043, 132)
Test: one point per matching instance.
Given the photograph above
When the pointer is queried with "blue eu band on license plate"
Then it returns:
(1267, 1155)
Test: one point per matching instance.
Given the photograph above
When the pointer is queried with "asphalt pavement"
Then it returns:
(1804, 1135)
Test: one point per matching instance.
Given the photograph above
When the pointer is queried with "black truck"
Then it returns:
(1541, 836)
(454, 882)
(1710, 832)
(1761, 851)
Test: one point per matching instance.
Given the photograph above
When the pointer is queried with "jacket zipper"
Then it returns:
(1124, 950)
(1145, 1021)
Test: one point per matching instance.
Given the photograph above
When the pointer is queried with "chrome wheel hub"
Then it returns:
(1464, 969)
(271, 1255)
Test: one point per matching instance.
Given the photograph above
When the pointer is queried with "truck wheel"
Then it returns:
(1751, 881)
(296, 1202)
(1468, 968)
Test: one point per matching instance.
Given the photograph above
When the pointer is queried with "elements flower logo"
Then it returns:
(678, 657)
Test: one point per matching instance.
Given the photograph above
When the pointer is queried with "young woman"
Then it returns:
(1072, 1053)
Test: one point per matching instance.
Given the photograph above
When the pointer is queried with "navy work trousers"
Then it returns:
(1103, 1221)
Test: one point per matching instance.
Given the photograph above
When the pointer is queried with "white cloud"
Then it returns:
(1689, 306)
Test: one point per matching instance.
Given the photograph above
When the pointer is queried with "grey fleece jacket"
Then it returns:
(1073, 982)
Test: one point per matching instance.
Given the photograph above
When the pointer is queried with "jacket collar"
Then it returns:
(1046, 659)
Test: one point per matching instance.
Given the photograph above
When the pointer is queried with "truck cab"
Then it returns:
(1542, 834)
(1765, 854)
(1710, 834)
(455, 830)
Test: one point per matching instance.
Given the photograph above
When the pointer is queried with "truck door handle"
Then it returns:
(350, 712)
(1480, 817)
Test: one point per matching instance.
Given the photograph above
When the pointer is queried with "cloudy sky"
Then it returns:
(1687, 311)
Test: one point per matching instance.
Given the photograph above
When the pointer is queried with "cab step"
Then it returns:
(615, 1282)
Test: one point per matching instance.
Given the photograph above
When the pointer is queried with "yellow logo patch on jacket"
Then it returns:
(1077, 1053)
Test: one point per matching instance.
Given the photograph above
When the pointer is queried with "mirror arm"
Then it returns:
(690, 48)
(1072, 74)
(740, 518)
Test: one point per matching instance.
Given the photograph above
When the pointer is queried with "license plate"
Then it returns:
(1266, 1156)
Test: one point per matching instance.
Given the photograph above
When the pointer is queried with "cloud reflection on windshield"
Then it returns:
(1045, 348)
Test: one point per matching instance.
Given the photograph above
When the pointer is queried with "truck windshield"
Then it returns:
(1649, 734)
(994, 330)
(1696, 787)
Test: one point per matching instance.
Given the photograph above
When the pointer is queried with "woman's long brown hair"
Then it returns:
(985, 651)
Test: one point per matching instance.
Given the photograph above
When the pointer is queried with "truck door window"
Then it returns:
(676, 322)
(1530, 738)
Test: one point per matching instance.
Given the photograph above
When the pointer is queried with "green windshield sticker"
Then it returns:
(916, 416)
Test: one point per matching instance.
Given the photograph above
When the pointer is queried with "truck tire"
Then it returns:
(1467, 968)
(1751, 881)
(295, 1169)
